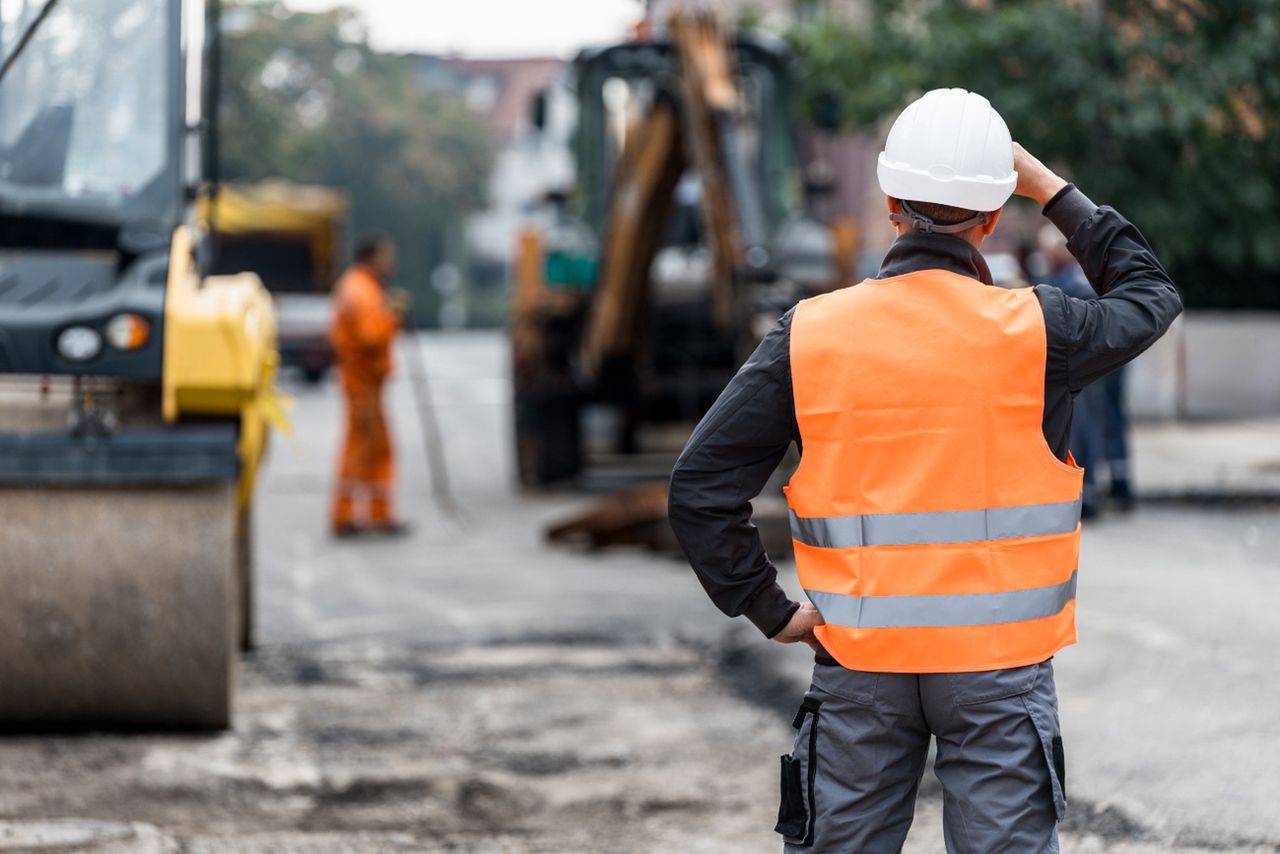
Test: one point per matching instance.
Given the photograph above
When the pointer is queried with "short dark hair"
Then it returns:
(941, 214)
(367, 246)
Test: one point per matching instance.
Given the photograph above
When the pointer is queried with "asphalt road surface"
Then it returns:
(469, 688)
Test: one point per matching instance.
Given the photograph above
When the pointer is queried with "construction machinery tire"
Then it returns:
(119, 607)
(548, 432)
(245, 579)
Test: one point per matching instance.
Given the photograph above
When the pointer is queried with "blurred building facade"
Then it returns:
(497, 89)
(771, 11)
(527, 165)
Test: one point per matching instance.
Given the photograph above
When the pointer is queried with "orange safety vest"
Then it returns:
(934, 529)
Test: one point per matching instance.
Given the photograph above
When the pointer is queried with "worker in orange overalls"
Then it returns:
(366, 317)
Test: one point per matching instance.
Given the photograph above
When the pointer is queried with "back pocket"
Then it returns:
(987, 686)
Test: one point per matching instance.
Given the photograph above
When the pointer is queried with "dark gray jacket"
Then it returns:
(738, 444)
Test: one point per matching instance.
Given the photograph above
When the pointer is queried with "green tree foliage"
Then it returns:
(306, 99)
(1168, 110)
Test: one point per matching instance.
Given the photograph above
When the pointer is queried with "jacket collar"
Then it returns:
(914, 251)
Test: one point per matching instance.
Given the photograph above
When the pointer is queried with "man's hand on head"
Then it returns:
(799, 629)
(1035, 180)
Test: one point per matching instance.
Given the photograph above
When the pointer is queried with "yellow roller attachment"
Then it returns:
(268, 408)
(219, 338)
(220, 354)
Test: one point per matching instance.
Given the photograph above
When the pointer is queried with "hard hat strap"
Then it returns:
(921, 223)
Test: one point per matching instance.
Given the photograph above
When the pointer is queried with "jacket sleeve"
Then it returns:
(1137, 299)
(727, 462)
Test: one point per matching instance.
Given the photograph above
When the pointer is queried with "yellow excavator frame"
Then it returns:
(220, 354)
(660, 145)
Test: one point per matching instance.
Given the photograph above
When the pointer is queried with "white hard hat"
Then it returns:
(949, 147)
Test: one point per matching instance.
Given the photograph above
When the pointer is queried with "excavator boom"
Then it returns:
(694, 127)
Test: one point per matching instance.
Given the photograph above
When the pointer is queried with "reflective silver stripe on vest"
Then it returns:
(948, 526)
(956, 609)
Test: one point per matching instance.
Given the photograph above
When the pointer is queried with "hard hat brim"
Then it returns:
(981, 193)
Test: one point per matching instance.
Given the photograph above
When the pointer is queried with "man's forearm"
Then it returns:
(1035, 180)
(727, 555)
(1138, 299)
(727, 462)
(1068, 209)
(709, 509)
(771, 609)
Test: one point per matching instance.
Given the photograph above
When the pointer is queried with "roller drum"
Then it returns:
(119, 607)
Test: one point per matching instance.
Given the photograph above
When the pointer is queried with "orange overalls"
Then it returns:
(364, 326)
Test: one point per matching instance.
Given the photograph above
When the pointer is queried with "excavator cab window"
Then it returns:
(617, 85)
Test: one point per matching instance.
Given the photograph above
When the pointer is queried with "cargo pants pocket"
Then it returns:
(1044, 716)
(796, 809)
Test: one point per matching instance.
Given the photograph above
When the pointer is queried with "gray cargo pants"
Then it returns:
(850, 783)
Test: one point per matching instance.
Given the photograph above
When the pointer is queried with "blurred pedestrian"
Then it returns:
(1063, 272)
(366, 318)
(1100, 424)
(1115, 439)
(935, 514)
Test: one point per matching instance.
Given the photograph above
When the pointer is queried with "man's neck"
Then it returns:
(370, 272)
(914, 251)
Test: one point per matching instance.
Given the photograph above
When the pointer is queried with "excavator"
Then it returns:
(685, 235)
(136, 387)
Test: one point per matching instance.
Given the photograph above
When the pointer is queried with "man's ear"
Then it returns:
(895, 207)
(990, 224)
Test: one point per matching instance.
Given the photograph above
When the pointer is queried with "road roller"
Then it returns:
(136, 388)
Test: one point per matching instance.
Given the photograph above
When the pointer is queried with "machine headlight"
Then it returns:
(79, 343)
(128, 331)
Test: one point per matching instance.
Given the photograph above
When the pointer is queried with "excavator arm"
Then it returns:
(730, 193)
(643, 193)
(693, 125)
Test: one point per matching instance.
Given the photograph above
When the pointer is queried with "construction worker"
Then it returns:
(366, 317)
(935, 510)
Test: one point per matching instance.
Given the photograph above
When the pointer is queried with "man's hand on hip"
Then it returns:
(1035, 180)
(799, 628)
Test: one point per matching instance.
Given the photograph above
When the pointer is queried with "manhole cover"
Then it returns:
(59, 833)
